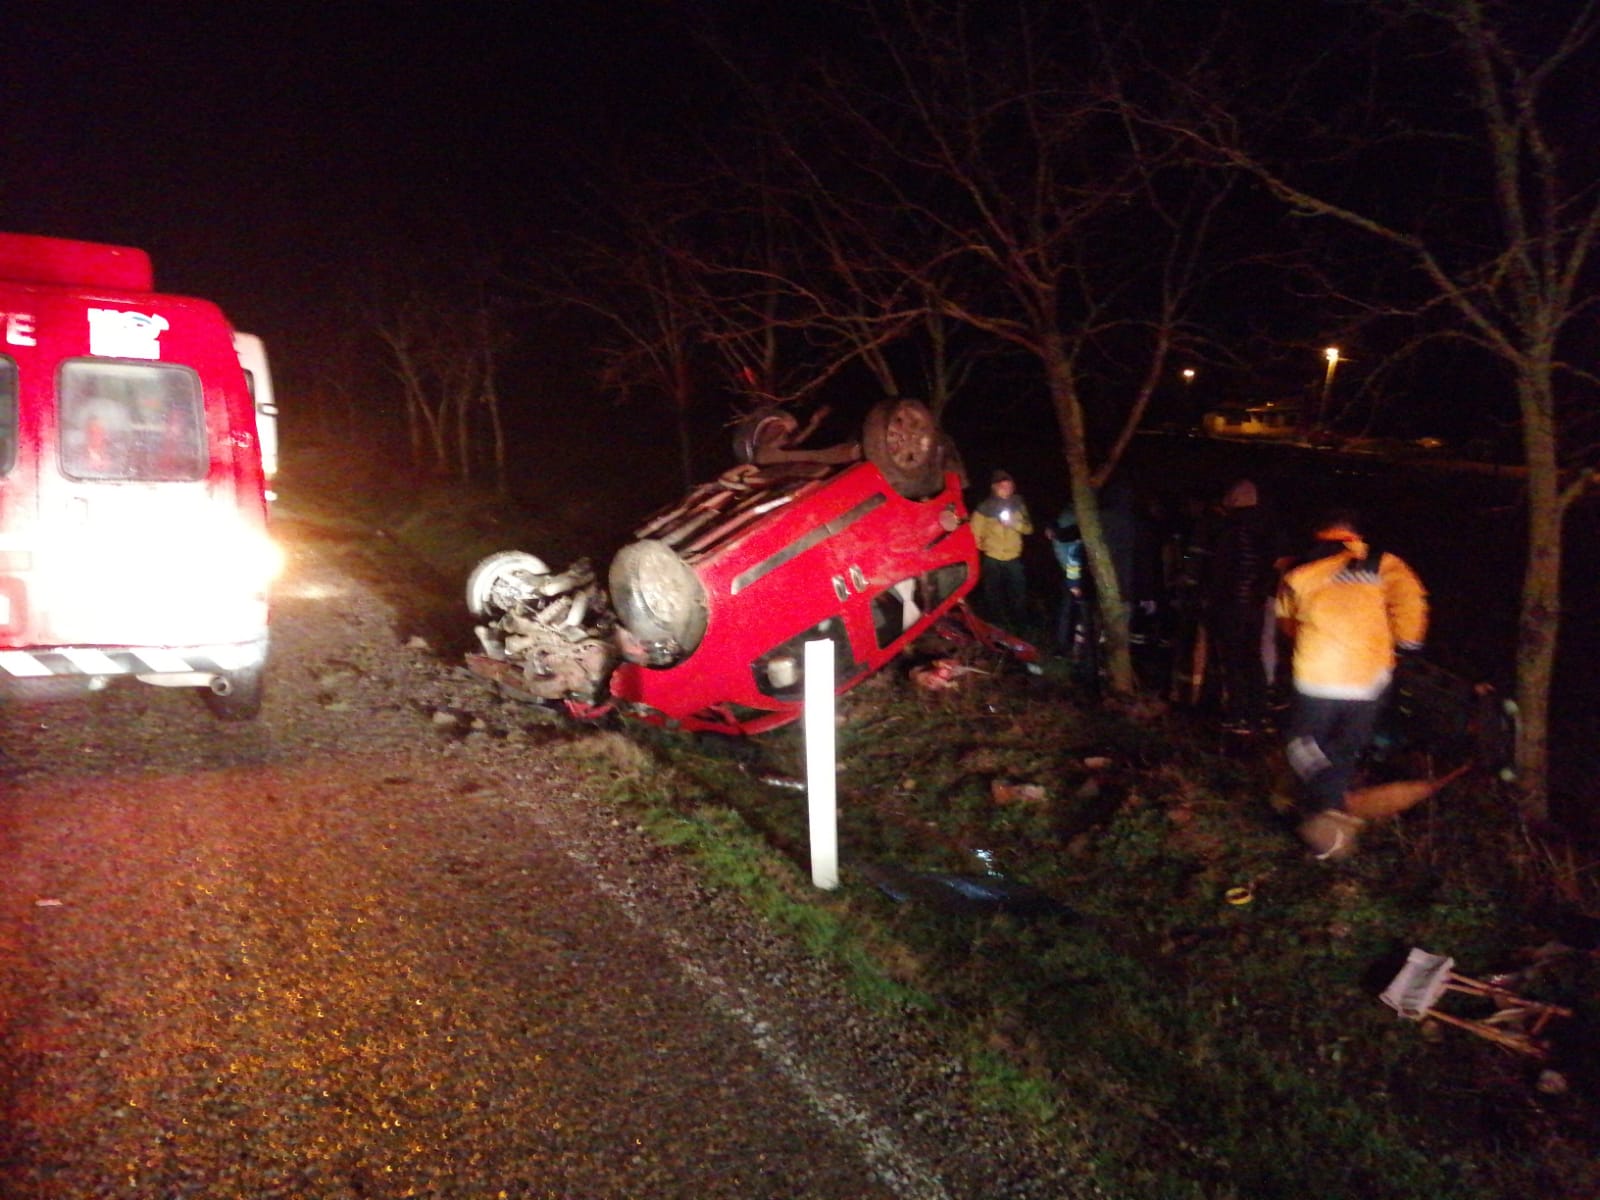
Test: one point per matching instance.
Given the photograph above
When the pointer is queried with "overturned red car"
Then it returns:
(707, 611)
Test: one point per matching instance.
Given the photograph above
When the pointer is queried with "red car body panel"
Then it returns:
(791, 552)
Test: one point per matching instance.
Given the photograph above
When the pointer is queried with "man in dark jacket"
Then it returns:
(1240, 579)
(1074, 618)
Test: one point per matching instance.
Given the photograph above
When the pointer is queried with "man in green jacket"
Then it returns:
(999, 524)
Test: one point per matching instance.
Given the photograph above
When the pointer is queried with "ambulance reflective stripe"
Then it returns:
(165, 660)
(22, 665)
(90, 662)
(157, 660)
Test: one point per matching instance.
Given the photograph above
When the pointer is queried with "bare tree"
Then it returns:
(991, 176)
(715, 289)
(443, 336)
(632, 274)
(1511, 265)
(973, 179)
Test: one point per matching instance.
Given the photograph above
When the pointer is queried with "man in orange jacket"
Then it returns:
(1348, 607)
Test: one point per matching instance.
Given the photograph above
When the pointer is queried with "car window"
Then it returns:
(894, 611)
(131, 421)
(898, 607)
(778, 671)
(940, 584)
(8, 415)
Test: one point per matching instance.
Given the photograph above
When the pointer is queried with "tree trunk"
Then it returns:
(682, 398)
(497, 431)
(1539, 619)
(1107, 588)
(439, 437)
(464, 433)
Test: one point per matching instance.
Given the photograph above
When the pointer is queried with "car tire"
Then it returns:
(480, 583)
(902, 439)
(242, 700)
(766, 426)
(659, 599)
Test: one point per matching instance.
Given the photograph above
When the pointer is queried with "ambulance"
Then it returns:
(133, 514)
(253, 358)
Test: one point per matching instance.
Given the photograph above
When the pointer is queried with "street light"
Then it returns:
(1332, 355)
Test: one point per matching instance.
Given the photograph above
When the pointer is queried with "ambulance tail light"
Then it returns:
(246, 560)
(208, 578)
(13, 607)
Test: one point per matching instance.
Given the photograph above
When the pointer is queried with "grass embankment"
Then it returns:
(1200, 1040)
(1194, 1046)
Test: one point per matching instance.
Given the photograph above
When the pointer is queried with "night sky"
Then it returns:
(265, 155)
(255, 152)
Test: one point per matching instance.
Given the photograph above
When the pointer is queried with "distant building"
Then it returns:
(1269, 420)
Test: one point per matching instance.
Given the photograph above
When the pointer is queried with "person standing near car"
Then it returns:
(1073, 623)
(1347, 606)
(998, 525)
(1240, 573)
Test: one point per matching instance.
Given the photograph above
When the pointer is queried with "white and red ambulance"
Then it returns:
(133, 514)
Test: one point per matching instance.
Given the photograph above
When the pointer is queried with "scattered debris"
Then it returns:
(942, 674)
(1515, 1024)
(1004, 792)
(1552, 1083)
(962, 894)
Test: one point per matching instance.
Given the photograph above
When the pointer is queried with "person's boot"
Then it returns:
(1332, 834)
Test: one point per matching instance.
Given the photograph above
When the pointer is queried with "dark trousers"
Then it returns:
(1005, 591)
(1078, 631)
(1072, 623)
(1326, 741)
(1236, 635)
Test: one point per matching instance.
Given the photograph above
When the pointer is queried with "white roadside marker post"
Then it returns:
(821, 767)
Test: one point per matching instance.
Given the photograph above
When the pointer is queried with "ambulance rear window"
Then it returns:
(8, 415)
(134, 421)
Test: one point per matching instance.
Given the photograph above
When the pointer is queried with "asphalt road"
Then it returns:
(376, 945)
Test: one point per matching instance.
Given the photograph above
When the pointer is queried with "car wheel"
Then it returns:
(902, 439)
(241, 699)
(659, 599)
(481, 583)
(768, 426)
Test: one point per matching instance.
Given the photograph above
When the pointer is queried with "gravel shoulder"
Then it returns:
(380, 943)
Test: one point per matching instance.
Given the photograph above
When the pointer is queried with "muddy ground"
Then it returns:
(382, 942)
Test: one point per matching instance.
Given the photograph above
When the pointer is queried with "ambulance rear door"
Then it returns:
(151, 518)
